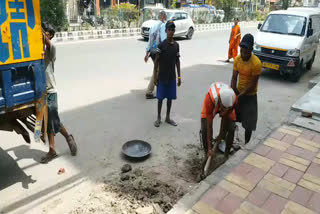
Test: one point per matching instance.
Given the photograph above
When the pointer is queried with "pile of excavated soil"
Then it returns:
(132, 192)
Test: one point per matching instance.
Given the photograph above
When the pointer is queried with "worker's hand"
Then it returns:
(218, 139)
(146, 58)
(210, 153)
(179, 82)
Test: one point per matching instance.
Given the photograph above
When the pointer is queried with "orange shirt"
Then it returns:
(208, 107)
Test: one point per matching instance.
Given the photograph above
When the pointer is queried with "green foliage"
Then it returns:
(121, 16)
(174, 4)
(54, 13)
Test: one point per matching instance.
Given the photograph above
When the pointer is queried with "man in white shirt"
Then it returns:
(54, 124)
(157, 34)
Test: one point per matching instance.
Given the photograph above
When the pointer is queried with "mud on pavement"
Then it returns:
(137, 190)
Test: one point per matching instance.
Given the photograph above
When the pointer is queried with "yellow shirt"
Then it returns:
(246, 71)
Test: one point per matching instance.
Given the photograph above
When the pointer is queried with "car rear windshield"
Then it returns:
(285, 24)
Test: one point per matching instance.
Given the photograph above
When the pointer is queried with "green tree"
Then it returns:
(54, 12)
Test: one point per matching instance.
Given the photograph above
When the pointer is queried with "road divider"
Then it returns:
(133, 32)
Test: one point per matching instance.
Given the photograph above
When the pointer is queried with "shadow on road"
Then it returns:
(11, 173)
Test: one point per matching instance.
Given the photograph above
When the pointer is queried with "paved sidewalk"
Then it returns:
(281, 176)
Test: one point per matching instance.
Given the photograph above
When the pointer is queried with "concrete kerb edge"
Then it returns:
(129, 32)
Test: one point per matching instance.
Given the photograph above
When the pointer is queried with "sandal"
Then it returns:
(157, 123)
(72, 145)
(150, 96)
(171, 122)
(48, 157)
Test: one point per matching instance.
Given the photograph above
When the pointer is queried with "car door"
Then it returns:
(184, 23)
(177, 21)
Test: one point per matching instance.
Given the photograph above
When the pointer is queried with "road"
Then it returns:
(102, 103)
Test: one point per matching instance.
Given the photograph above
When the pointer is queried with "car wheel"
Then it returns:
(190, 33)
(295, 76)
(145, 38)
(309, 64)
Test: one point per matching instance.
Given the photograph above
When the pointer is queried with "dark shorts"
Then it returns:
(54, 124)
(247, 111)
(167, 90)
(229, 137)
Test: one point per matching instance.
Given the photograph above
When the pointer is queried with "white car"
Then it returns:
(182, 20)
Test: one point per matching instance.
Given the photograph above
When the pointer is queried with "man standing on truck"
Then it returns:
(54, 124)
(234, 40)
(248, 67)
(157, 34)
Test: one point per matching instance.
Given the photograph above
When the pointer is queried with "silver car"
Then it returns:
(182, 20)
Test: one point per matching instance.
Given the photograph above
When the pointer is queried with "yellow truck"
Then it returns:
(22, 69)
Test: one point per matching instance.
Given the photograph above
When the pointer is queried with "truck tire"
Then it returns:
(309, 64)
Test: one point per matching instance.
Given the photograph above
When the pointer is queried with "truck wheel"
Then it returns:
(190, 33)
(309, 64)
(295, 76)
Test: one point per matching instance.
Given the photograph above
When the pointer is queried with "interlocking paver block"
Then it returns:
(305, 154)
(285, 211)
(275, 204)
(297, 208)
(307, 135)
(305, 146)
(279, 169)
(274, 155)
(203, 208)
(289, 139)
(277, 189)
(286, 131)
(259, 161)
(292, 129)
(316, 160)
(251, 209)
(240, 212)
(282, 146)
(309, 185)
(293, 175)
(279, 181)
(293, 164)
(296, 159)
(277, 135)
(301, 195)
(314, 169)
(258, 196)
(240, 181)
(312, 178)
(242, 169)
(229, 204)
(214, 196)
(234, 189)
(309, 142)
(314, 202)
(262, 150)
(255, 175)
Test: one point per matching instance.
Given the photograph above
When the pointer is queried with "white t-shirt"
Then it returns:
(49, 59)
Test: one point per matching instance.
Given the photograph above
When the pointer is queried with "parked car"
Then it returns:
(288, 40)
(182, 20)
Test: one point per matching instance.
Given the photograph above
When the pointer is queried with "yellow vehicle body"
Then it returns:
(21, 37)
(22, 69)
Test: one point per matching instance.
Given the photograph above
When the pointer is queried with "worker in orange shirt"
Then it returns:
(220, 99)
(234, 40)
